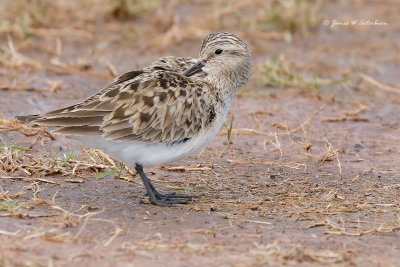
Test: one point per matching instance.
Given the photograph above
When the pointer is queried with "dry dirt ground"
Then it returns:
(311, 175)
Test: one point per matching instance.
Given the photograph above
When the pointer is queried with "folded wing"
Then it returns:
(155, 106)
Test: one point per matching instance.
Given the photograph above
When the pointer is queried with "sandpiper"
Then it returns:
(161, 113)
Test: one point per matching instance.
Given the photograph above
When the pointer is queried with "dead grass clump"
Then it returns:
(267, 20)
(10, 58)
(36, 13)
(125, 9)
(8, 156)
(330, 155)
(278, 19)
(21, 16)
(23, 164)
(81, 217)
(157, 244)
(10, 206)
(290, 16)
(78, 219)
(53, 235)
(357, 227)
(281, 73)
(300, 254)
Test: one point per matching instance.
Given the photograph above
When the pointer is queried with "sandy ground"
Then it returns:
(310, 178)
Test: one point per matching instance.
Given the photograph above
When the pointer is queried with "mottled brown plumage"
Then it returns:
(155, 104)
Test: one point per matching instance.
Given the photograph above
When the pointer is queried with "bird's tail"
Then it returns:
(27, 118)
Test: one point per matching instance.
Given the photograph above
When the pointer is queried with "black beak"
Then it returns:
(194, 69)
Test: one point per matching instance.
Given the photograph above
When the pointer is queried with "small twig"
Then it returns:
(188, 169)
(76, 181)
(339, 119)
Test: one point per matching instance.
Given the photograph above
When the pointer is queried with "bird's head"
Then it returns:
(225, 60)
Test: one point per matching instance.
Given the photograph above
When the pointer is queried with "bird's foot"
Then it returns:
(162, 199)
(170, 198)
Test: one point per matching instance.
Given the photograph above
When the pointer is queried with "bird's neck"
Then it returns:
(224, 90)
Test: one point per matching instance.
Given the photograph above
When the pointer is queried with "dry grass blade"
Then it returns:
(379, 85)
(113, 236)
(27, 179)
(309, 120)
(10, 233)
(361, 108)
(107, 64)
(330, 155)
(277, 143)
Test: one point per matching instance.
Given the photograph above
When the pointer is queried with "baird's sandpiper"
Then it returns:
(161, 113)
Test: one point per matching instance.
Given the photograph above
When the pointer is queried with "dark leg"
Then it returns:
(161, 199)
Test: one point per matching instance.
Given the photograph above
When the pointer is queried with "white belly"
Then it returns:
(148, 154)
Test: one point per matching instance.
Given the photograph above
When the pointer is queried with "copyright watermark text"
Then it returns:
(355, 22)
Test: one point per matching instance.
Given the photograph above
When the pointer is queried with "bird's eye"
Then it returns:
(218, 51)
